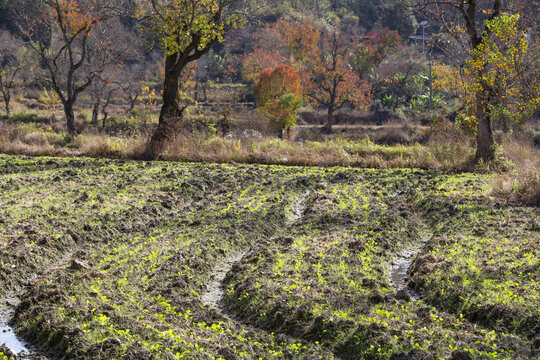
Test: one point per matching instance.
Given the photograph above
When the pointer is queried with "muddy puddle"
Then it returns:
(399, 272)
(8, 338)
(399, 268)
(7, 334)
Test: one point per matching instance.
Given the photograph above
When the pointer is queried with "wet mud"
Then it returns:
(201, 261)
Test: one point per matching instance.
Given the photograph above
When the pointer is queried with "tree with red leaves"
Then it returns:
(278, 94)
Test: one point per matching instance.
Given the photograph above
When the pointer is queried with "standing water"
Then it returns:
(399, 272)
(7, 335)
(399, 268)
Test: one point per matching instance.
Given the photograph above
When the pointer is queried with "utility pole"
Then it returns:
(424, 24)
(430, 83)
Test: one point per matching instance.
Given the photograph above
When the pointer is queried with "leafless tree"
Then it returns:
(130, 79)
(15, 66)
(111, 62)
(101, 92)
(62, 34)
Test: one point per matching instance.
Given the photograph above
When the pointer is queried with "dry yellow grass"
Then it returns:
(522, 180)
(29, 140)
(17, 141)
(328, 153)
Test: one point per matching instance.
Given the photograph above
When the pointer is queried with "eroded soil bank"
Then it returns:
(157, 271)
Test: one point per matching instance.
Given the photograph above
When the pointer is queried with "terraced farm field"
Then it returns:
(136, 260)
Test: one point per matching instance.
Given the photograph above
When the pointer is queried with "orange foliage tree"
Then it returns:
(328, 78)
(323, 58)
(300, 39)
(285, 42)
(278, 94)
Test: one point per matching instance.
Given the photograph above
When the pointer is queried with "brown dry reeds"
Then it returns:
(337, 152)
(521, 181)
(29, 140)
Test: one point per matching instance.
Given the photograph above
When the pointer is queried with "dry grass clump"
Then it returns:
(26, 141)
(34, 139)
(404, 132)
(522, 180)
(101, 146)
(336, 152)
(105, 146)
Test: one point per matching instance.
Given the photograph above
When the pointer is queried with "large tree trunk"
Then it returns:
(70, 117)
(7, 98)
(327, 129)
(484, 145)
(95, 114)
(171, 114)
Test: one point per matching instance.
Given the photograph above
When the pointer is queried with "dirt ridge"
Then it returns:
(215, 290)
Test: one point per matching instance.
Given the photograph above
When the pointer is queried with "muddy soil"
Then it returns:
(215, 290)
(202, 261)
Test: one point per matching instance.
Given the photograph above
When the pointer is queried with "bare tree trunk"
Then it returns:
(7, 99)
(105, 116)
(104, 108)
(70, 117)
(327, 129)
(171, 114)
(484, 145)
(95, 113)
(132, 101)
